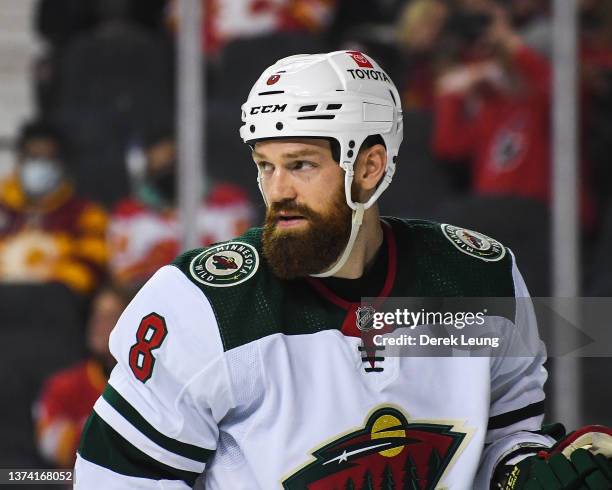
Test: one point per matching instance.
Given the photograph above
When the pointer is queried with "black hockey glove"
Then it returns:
(580, 461)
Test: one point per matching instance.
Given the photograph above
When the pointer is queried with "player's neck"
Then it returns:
(366, 246)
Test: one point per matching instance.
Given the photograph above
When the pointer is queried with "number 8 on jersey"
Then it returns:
(150, 334)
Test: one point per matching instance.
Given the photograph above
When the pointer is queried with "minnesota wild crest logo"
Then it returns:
(226, 264)
(388, 453)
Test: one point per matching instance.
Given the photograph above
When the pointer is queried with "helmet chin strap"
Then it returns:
(355, 226)
(356, 220)
(358, 210)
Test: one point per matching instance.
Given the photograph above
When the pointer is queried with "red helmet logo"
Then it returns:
(273, 79)
(360, 59)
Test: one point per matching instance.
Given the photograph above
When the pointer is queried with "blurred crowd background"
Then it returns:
(88, 204)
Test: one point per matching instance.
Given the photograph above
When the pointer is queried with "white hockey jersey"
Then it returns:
(258, 383)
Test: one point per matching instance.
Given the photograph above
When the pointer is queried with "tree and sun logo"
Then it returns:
(388, 453)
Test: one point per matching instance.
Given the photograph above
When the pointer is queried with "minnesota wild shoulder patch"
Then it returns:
(226, 264)
(473, 243)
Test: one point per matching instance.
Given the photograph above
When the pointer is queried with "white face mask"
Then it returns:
(39, 176)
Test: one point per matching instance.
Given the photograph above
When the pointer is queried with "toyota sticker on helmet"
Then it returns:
(273, 79)
(363, 62)
(369, 74)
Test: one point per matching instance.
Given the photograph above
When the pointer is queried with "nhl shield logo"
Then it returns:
(365, 318)
(225, 265)
(388, 451)
(474, 243)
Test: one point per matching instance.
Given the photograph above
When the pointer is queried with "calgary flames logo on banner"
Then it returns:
(387, 453)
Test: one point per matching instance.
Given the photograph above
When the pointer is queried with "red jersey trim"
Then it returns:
(329, 295)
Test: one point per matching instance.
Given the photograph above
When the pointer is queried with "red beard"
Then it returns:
(302, 252)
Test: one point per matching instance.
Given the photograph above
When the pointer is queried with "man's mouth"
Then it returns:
(288, 220)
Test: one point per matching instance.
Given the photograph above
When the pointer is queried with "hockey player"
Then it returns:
(244, 361)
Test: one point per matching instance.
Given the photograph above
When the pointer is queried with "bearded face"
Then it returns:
(298, 241)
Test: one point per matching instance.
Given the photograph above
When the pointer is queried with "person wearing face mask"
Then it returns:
(47, 232)
(144, 231)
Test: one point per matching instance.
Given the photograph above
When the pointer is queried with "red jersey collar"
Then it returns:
(329, 295)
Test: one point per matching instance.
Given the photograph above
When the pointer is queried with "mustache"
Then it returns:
(289, 206)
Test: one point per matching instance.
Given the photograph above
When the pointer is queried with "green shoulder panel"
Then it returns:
(443, 260)
(249, 302)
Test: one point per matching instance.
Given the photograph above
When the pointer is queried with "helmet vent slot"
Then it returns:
(333, 107)
(272, 92)
(324, 116)
(308, 108)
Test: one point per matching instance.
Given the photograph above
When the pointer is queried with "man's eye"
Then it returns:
(303, 165)
(265, 167)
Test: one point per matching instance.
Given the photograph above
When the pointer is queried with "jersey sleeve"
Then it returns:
(517, 391)
(156, 424)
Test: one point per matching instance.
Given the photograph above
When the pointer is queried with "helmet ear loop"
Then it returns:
(348, 168)
(386, 181)
(348, 183)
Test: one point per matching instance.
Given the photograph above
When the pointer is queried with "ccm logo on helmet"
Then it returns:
(369, 74)
(264, 109)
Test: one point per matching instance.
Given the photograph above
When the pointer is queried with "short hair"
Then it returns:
(41, 130)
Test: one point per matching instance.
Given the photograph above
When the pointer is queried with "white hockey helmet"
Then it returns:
(343, 95)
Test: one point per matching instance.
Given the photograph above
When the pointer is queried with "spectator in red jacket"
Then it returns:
(68, 396)
(494, 112)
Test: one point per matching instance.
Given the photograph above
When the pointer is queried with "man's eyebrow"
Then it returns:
(295, 154)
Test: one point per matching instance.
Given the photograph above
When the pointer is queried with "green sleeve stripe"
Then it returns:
(102, 445)
(137, 420)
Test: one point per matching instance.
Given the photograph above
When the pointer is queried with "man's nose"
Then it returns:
(280, 187)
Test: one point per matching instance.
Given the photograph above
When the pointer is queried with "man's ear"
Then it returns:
(369, 170)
